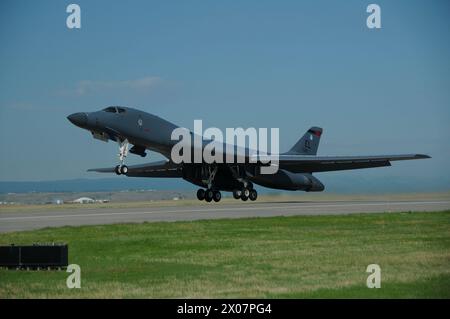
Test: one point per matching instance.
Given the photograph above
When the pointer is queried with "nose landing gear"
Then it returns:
(122, 169)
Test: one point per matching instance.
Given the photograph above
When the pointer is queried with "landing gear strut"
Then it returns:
(123, 152)
(210, 194)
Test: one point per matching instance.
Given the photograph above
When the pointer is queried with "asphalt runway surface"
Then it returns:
(28, 220)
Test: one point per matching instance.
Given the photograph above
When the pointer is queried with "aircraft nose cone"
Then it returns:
(79, 119)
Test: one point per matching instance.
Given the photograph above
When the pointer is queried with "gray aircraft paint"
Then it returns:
(147, 131)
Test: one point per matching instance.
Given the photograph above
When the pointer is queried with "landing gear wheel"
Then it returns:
(217, 196)
(209, 195)
(123, 152)
(201, 194)
(253, 195)
(124, 169)
(237, 194)
(245, 192)
(243, 197)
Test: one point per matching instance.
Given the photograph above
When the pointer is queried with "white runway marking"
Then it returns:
(33, 220)
(211, 210)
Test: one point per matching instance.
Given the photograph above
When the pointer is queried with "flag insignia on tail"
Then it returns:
(315, 132)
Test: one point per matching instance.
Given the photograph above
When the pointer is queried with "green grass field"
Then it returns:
(280, 257)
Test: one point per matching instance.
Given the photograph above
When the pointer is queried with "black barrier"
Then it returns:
(34, 256)
(9, 256)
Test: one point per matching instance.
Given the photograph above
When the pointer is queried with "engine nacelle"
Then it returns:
(286, 180)
(138, 150)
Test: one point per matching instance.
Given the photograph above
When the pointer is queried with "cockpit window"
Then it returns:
(110, 109)
(114, 109)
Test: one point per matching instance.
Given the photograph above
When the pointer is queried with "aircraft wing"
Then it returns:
(310, 164)
(155, 169)
(292, 163)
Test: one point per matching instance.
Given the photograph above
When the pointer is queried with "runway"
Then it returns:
(19, 221)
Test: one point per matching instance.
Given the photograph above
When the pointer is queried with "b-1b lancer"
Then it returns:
(143, 131)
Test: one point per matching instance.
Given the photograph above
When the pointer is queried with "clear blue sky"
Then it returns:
(286, 64)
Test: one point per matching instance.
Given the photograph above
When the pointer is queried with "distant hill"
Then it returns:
(94, 185)
(334, 183)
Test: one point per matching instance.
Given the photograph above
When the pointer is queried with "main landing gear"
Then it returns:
(209, 195)
(123, 152)
(246, 193)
